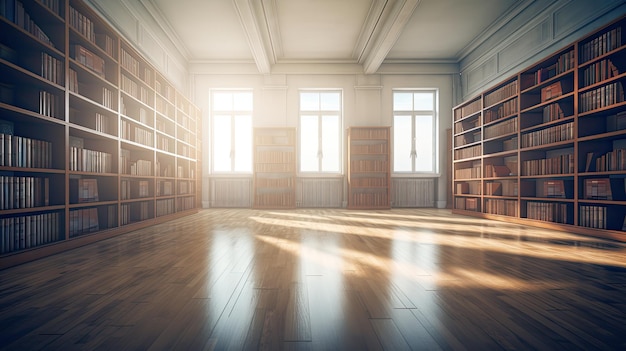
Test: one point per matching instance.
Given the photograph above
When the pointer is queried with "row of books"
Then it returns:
(131, 64)
(502, 128)
(84, 160)
(137, 167)
(467, 110)
(471, 188)
(369, 165)
(84, 190)
(598, 72)
(17, 151)
(165, 90)
(165, 143)
(604, 189)
(467, 204)
(552, 112)
(23, 232)
(273, 167)
(136, 211)
(501, 93)
(165, 188)
(564, 63)
(165, 108)
(186, 122)
(505, 109)
(614, 160)
(562, 164)
(164, 169)
(51, 68)
(131, 132)
(600, 45)
(188, 203)
(368, 133)
(135, 90)
(467, 124)
(186, 187)
(185, 150)
(468, 173)
(468, 138)
(53, 5)
(468, 152)
(82, 24)
(23, 192)
(134, 189)
(368, 182)
(548, 211)
(90, 60)
(593, 216)
(261, 182)
(603, 96)
(381, 148)
(501, 188)
(83, 221)
(274, 156)
(49, 104)
(165, 126)
(561, 132)
(14, 11)
(551, 91)
(502, 207)
(165, 207)
(498, 171)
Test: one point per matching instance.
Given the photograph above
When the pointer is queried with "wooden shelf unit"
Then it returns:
(369, 168)
(274, 167)
(94, 141)
(547, 147)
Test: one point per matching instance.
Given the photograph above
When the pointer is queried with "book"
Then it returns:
(551, 91)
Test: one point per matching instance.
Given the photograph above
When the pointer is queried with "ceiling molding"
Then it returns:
(369, 28)
(390, 31)
(270, 18)
(249, 22)
(155, 12)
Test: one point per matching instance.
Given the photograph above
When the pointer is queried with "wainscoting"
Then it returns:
(320, 192)
(413, 192)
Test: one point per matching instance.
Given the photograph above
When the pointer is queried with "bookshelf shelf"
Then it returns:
(80, 127)
(368, 167)
(563, 120)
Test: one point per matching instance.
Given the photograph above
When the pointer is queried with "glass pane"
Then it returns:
(243, 143)
(242, 101)
(330, 144)
(402, 144)
(330, 101)
(309, 144)
(423, 101)
(402, 101)
(424, 137)
(309, 102)
(221, 143)
(222, 101)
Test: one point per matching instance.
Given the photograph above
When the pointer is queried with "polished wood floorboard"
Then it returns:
(327, 279)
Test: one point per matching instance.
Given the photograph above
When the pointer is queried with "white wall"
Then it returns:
(367, 100)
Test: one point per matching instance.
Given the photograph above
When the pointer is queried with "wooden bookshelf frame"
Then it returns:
(528, 150)
(104, 142)
(274, 167)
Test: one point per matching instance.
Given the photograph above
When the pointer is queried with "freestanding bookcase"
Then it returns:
(94, 141)
(369, 168)
(274, 167)
(547, 146)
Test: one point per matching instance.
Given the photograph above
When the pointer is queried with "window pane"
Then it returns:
(330, 144)
(402, 101)
(402, 144)
(242, 101)
(221, 143)
(309, 102)
(330, 101)
(423, 102)
(222, 101)
(424, 134)
(309, 144)
(243, 144)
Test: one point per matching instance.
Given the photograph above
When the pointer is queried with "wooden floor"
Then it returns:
(414, 279)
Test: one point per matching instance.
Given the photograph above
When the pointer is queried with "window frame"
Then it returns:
(319, 114)
(232, 116)
(414, 114)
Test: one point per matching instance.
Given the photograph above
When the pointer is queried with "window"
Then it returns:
(232, 131)
(320, 131)
(414, 131)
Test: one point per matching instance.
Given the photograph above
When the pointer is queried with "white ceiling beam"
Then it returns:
(389, 33)
(251, 27)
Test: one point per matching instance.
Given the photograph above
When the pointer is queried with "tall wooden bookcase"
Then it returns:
(547, 147)
(94, 141)
(369, 168)
(274, 167)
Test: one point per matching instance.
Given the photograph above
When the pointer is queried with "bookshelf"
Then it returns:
(274, 167)
(369, 168)
(94, 141)
(547, 147)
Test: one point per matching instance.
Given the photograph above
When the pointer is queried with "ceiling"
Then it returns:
(365, 32)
